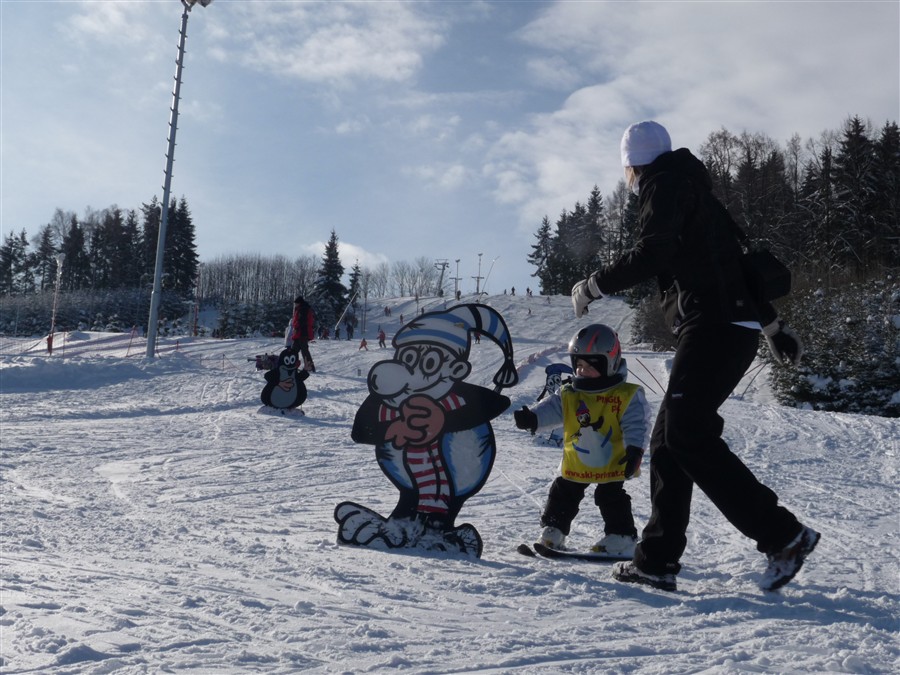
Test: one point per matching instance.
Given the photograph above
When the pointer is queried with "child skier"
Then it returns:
(605, 422)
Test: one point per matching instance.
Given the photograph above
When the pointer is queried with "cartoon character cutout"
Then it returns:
(554, 376)
(431, 431)
(284, 386)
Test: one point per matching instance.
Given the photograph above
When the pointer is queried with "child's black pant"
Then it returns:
(614, 503)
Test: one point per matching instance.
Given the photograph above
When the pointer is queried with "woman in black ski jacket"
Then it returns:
(689, 243)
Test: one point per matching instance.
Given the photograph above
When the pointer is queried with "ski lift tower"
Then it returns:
(442, 265)
(188, 5)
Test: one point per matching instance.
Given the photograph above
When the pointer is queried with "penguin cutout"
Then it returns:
(431, 432)
(284, 388)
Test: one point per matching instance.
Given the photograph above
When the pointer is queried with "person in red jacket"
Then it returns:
(302, 331)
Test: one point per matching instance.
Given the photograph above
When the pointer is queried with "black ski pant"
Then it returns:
(686, 448)
(566, 495)
(301, 346)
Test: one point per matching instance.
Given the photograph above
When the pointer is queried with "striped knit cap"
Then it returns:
(453, 330)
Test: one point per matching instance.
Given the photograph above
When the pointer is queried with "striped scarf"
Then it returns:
(426, 465)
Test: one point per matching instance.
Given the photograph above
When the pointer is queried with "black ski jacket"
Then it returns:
(690, 244)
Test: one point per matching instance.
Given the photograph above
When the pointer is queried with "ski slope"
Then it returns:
(154, 522)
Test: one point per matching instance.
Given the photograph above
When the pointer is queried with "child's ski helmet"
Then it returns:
(598, 345)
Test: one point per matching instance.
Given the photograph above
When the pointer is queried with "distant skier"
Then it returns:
(605, 422)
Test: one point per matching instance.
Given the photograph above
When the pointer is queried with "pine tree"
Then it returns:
(355, 290)
(568, 256)
(132, 251)
(329, 293)
(45, 259)
(107, 246)
(76, 274)
(593, 234)
(819, 225)
(114, 225)
(540, 256)
(855, 194)
(354, 296)
(13, 261)
(149, 238)
(886, 201)
(181, 261)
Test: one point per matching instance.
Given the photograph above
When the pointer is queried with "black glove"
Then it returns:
(525, 419)
(784, 343)
(632, 460)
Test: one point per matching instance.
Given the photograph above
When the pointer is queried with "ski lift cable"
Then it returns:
(661, 388)
(759, 369)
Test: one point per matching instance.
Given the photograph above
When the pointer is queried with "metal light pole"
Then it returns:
(478, 278)
(490, 269)
(59, 265)
(170, 158)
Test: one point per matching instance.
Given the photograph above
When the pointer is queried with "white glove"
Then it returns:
(783, 342)
(583, 294)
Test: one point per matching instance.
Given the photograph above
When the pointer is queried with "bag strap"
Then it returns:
(738, 230)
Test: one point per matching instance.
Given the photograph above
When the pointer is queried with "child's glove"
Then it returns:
(583, 294)
(632, 460)
(784, 343)
(525, 419)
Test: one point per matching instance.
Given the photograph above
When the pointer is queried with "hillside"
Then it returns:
(154, 521)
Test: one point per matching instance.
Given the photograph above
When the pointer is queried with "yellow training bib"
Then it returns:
(593, 444)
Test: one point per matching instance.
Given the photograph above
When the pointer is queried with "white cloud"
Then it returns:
(554, 72)
(445, 177)
(775, 68)
(338, 43)
(352, 126)
(349, 255)
(435, 127)
(122, 24)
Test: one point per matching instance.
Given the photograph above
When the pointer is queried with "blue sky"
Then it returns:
(435, 129)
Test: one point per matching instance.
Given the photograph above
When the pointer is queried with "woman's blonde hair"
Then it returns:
(632, 176)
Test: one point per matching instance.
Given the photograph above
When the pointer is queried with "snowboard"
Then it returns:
(361, 526)
(281, 412)
(586, 556)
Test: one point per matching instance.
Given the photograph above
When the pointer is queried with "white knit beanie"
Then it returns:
(643, 142)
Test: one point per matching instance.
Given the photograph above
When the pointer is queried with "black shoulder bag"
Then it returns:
(766, 276)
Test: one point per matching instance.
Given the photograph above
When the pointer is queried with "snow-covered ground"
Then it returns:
(153, 521)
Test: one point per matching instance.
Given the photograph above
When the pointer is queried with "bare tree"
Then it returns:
(425, 276)
(379, 280)
(404, 277)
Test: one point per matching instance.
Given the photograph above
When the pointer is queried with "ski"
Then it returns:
(525, 549)
(587, 556)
